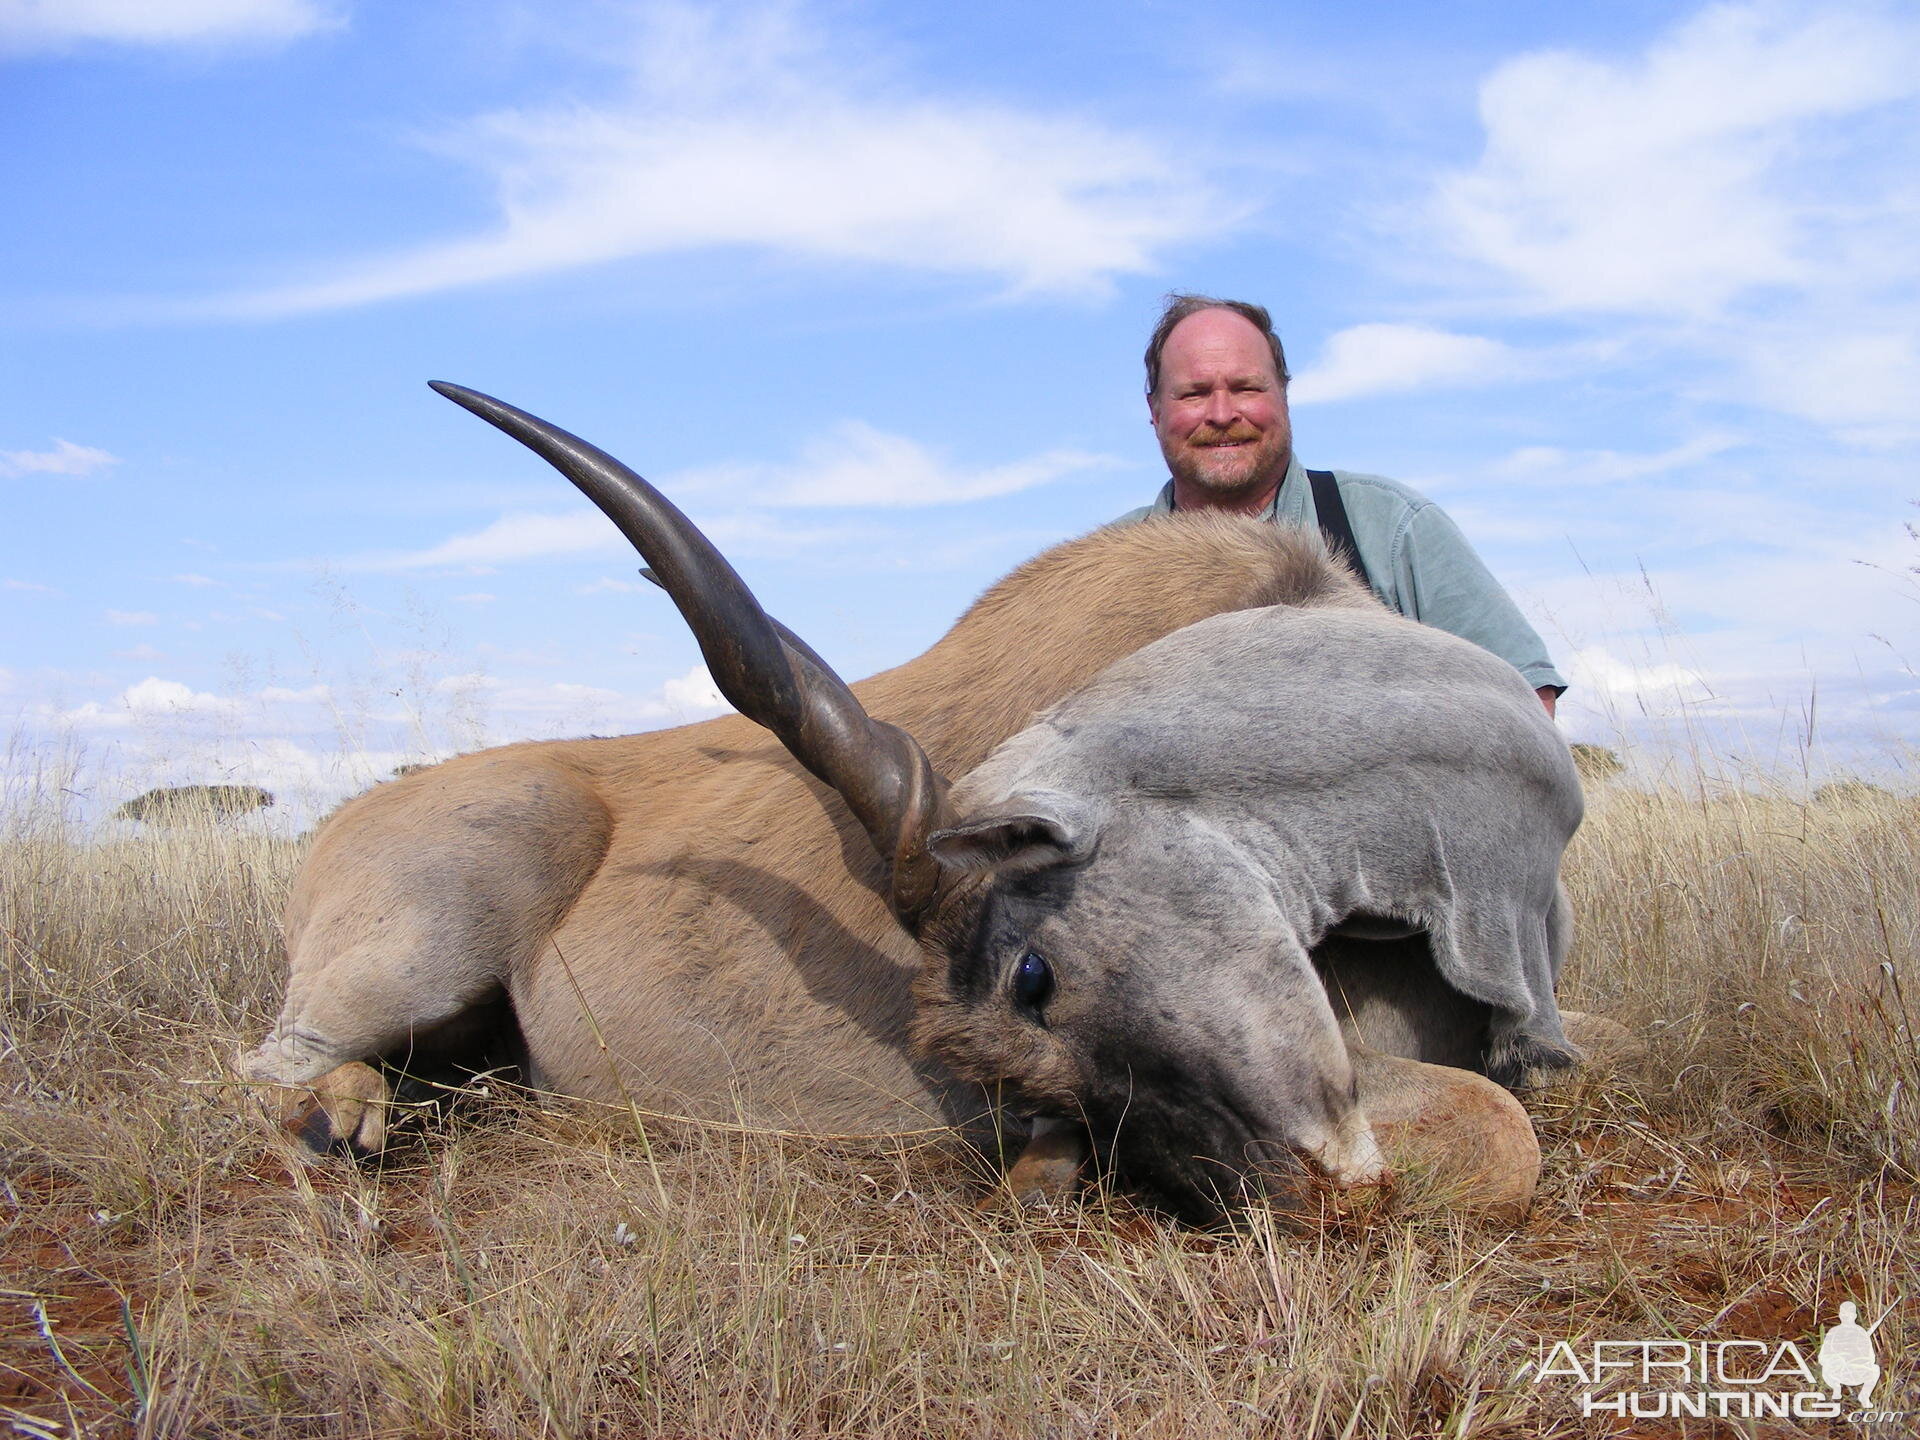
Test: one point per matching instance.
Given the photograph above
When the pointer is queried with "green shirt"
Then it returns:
(1417, 561)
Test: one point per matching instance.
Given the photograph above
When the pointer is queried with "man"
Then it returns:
(1217, 396)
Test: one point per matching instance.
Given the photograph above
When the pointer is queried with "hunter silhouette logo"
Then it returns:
(1846, 1355)
(1725, 1379)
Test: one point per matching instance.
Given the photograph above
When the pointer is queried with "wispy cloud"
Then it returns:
(747, 130)
(1862, 383)
(509, 539)
(35, 25)
(1681, 181)
(856, 465)
(65, 458)
(130, 617)
(1549, 464)
(1739, 192)
(1385, 359)
(852, 466)
(564, 706)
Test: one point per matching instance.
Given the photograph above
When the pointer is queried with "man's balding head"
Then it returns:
(1216, 392)
(1181, 304)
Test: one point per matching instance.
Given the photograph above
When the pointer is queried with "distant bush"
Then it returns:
(1851, 791)
(188, 804)
(1595, 762)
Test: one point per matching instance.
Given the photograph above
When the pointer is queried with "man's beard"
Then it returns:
(1232, 473)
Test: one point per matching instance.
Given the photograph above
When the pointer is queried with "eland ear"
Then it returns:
(1025, 833)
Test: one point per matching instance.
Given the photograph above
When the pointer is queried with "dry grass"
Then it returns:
(167, 1269)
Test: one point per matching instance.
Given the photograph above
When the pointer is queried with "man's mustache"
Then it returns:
(1233, 434)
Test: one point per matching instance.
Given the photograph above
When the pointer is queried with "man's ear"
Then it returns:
(1034, 831)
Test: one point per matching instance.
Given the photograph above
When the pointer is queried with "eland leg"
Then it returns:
(1468, 1139)
(1391, 998)
(415, 907)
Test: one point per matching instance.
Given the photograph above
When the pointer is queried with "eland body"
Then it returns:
(1239, 876)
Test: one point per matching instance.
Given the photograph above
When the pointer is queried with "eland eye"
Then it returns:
(1033, 981)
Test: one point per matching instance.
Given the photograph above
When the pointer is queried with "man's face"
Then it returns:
(1220, 411)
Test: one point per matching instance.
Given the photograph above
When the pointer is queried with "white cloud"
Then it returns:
(852, 465)
(30, 586)
(1384, 359)
(1548, 464)
(693, 692)
(1676, 183)
(1774, 660)
(29, 25)
(156, 695)
(313, 745)
(1598, 669)
(65, 458)
(149, 700)
(305, 780)
(569, 708)
(857, 465)
(199, 582)
(477, 597)
(1863, 385)
(130, 617)
(742, 130)
(510, 538)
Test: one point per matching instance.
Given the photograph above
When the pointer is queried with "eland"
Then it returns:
(1178, 852)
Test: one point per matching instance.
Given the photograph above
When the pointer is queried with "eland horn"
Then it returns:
(878, 769)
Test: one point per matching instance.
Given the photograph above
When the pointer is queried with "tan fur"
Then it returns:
(1469, 1140)
(685, 919)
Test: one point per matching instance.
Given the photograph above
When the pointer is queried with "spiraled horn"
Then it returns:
(878, 769)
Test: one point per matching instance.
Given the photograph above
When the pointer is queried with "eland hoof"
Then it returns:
(343, 1112)
(1048, 1170)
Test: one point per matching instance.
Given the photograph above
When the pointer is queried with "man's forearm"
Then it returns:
(1548, 695)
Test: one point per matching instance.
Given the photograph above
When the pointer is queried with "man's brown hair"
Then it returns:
(1180, 305)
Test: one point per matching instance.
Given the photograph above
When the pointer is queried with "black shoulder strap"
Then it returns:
(1331, 511)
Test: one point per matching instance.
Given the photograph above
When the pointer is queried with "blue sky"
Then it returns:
(1631, 289)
